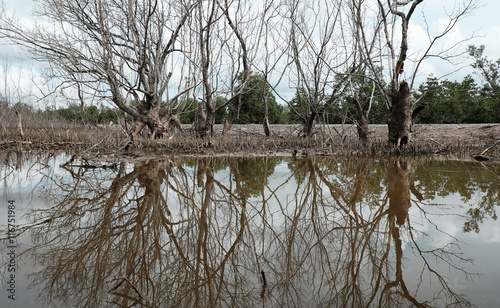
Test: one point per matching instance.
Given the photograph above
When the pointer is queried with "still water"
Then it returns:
(264, 232)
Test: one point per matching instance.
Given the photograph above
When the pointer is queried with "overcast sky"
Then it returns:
(484, 22)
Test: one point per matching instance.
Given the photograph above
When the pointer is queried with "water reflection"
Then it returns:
(253, 232)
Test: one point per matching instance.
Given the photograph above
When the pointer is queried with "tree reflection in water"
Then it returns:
(214, 232)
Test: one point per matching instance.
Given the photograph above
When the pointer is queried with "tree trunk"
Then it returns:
(200, 120)
(309, 125)
(173, 123)
(234, 112)
(362, 123)
(209, 122)
(267, 129)
(400, 121)
(154, 123)
(228, 124)
(135, 130)
(150, 115)
(204, 121)
(19, 125)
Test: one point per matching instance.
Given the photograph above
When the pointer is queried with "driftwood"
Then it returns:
(489, 148)
(481, 156)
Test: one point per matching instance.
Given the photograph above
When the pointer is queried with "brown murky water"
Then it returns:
(266, 232)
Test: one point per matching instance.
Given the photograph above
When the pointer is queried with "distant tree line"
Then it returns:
(465, 101)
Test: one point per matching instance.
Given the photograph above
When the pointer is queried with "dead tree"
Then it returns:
(221, 56)
(398, 94)
(321, 64)
(119, 51)
(270, 55)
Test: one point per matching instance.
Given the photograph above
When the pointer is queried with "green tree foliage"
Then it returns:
(490, 72)
(108, 115)
(252, 105)
(88, 115)
(447, 101)
(23, 108)
(457, 102)
(465, 101)
(188, 117)
(344, 110)
(378, 111)
(297, 106)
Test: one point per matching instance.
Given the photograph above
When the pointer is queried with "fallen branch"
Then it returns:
(489, 148)
(112, 166)
(441, 144)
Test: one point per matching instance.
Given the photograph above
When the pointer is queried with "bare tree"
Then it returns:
(220, 30)
(395, 17)
(323, 56)
(365, 39)
(235, 22)
(272, 56)
(204, 20)
(117, 50)
(264, 50)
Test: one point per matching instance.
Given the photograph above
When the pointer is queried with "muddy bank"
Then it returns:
(454, 140)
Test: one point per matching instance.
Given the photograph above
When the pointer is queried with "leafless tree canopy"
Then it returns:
(147, 57)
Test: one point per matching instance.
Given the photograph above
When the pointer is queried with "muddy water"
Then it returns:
(264, 232)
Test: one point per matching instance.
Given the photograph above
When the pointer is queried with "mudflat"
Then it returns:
(464, 141)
